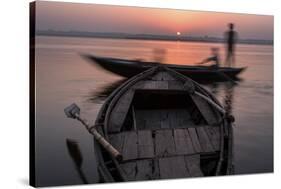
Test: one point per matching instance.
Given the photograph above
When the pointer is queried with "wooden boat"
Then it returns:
(165, 125)
(129, 68)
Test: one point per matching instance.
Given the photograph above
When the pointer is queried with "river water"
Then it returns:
(63, 77)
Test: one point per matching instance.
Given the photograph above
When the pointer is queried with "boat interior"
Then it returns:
(163, 132)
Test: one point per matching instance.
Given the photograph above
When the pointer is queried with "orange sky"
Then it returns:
(106, 18)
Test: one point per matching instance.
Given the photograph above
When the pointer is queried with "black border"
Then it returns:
(32, 15)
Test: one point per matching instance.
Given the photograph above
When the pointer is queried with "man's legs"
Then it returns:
(228, 57)
(232, 58)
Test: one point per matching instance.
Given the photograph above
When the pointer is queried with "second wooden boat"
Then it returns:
(165, 125)
(129, 68)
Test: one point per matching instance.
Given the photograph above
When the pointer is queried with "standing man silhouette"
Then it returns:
(231, 38)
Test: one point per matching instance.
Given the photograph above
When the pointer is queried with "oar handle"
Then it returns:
(107, 146)
(100, 139)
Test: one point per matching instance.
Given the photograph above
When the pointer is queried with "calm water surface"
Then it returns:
(63, 77)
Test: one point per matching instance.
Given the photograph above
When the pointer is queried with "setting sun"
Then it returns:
(178, 33)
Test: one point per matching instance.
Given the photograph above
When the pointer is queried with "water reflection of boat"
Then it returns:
(129, 68)
(165, 126)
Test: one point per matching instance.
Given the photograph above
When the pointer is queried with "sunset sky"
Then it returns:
(106, 18)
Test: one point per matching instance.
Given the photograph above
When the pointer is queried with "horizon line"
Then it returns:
(147, 36)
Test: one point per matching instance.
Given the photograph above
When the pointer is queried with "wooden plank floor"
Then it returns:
(173, 167)
(165, 153)
(204, 140)
(183, 142)
(193, 165)
(163, 168)
(195, 140)
(144, 144)
(130, 146)
(138, 170)
(164, 143)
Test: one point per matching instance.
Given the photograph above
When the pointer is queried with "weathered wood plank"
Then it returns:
(140, 119)
(119, 112)
(214, 135)
(162, 76)
(164, 116)
(149, 84)
(138, 170)
(176, 118)
(161, 85)
(173, 119)
(187, 120)
(134, 118)
(145, 144)
(129, 169)
(204, 140)
(175, 85)
(183, 142)
(144, 170)
(205, 109)
(167, 76)
(138, 85)
(117, 140)
(186, 123)
(155, 169)
(173, 167)
(155, 84)
(130, 147)
(193, 165)
(180, 118)
(158, 76)
(164, 143)
(153, 119)
(115, 123)
(124, 102)
(148, 119)
(195, 140)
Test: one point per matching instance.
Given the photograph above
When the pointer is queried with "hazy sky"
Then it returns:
(106, 18)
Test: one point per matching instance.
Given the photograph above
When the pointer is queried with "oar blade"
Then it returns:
(74, 152)
(72, 111)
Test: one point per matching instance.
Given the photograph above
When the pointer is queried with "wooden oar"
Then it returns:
(73, 111)
(76, 156)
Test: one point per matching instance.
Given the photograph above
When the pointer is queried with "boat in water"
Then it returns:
(129, 68)
(164, 125)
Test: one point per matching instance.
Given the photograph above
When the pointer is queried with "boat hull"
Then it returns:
(157, 147)
(129, 68)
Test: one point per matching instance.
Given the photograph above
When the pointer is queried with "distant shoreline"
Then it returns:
(204, 39)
